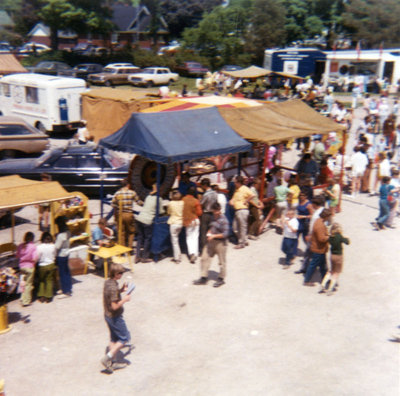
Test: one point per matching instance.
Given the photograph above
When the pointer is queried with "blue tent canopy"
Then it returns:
(169, 137)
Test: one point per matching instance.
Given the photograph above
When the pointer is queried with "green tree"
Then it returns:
(219, 35)
(373, 22)
(80, 16)
(181, 14)
(267, 28)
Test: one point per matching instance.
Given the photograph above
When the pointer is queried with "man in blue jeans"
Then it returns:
(319, 246)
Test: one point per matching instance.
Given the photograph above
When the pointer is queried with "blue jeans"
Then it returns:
(384, 211)
(144, 233)
(65, 275)
(317, 260)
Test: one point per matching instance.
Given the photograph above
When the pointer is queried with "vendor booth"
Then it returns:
(171, 137)
(15, 193)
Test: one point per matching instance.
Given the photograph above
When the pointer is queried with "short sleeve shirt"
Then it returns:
(111, 294)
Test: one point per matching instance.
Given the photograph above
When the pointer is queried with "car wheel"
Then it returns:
(171, 81)
(143, 173)
(41, 127)
(108, 83)
(149, 84)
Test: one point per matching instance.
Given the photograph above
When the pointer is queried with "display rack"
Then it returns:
(78, 218)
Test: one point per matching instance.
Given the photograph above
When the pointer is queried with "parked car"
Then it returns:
(32, 48)
(50, 67)
(96, 51)
(82, 70)
(5, 47)
(151, 76)
(17, 136)
(113, 75)
(192, 69)
(230, 68)
(171, 48)
(80, 48)
(77, 168)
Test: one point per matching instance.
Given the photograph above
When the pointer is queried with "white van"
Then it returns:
(50, 103)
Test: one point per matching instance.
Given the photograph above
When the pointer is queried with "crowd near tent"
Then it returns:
(10, 65)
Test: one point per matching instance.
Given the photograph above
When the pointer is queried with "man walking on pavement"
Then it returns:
(207, 201)
(113, 310)
(319, 246)
(216, 245)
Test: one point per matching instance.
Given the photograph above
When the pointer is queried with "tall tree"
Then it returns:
(219, 35)
(267, 28)
(373, 22)
(180, 14)
(154, 7)
(78, 15)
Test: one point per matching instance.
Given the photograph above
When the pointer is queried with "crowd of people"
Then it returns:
(300, 204)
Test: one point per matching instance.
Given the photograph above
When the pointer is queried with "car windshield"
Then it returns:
(110, 70)
(148, 71)
(44, 64)
(13, 129)
(81, 67)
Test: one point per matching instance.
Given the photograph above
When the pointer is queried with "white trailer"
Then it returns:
(50, 103)
(370, 63)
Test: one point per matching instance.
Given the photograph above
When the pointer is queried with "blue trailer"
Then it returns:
(301, 62)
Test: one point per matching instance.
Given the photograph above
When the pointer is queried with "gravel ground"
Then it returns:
(262, 333)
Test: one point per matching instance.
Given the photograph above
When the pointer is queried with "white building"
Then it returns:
(371, 63)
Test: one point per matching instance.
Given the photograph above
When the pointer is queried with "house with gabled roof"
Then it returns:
(5, 20)
(133, 25)
(40, 33)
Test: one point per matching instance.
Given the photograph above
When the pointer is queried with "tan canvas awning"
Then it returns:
(9, 65)
(108, 109)
(249, 72)
(16, 192)
(277, 122)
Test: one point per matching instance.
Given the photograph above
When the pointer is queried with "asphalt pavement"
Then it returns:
(262, 333)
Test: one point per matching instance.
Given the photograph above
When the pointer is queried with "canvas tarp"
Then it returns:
(107, 109)
(169, 137)
(249, 72)
(202, 102)
(277, 122)
(10, 65)
(16, 192)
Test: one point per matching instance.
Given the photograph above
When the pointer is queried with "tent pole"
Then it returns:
(264, 167)
(101, 183)
(12, 226)
(342, 169)
(239, 163)
(158, 201)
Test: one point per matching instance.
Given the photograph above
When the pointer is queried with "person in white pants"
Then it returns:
(191, 213)
(175, 221)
